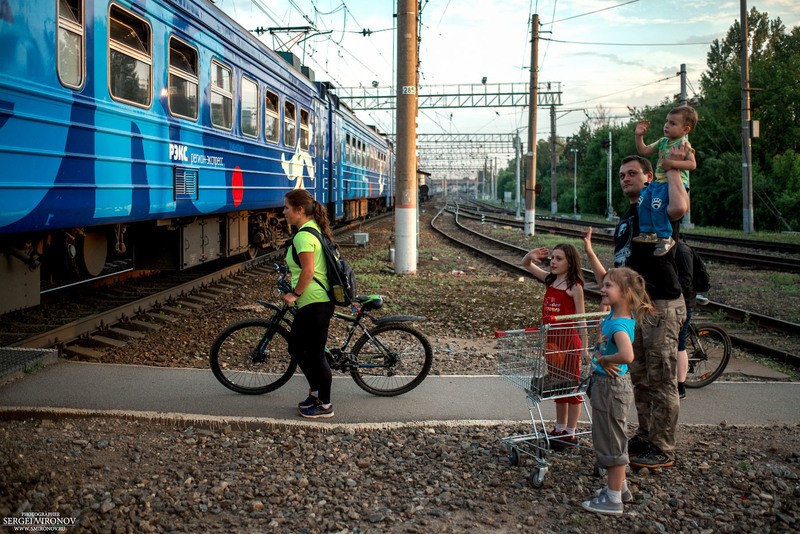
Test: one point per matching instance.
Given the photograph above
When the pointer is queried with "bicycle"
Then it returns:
(709, 349)
(390, 358)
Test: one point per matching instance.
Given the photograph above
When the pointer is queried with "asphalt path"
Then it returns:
(195, 395)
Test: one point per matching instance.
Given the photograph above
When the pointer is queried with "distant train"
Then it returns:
(163, 132)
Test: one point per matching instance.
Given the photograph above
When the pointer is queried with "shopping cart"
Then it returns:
(547, 363)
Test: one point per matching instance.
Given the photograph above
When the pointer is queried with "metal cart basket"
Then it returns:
(550, 362)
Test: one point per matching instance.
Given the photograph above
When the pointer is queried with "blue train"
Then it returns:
(161, 131)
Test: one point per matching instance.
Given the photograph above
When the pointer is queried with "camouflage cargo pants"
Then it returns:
(653, 372)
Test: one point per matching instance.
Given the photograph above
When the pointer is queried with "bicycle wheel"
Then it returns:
(391, 360)
(245, 361)
(709, 349)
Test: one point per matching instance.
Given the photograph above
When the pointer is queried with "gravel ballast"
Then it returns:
(118, 474)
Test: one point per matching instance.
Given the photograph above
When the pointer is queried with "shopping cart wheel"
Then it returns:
(537, 477)
(599, 471)
(513, 456)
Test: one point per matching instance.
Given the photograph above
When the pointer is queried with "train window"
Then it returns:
(272, 123)
(183, 81)
(305, 132)
(221, 96)
(130, 61)
(347, 150)
(250, 122)
(70, 42)
(289, 123)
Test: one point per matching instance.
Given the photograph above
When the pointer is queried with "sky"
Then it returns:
(605, 53)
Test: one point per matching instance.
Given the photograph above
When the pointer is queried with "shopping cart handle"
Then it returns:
(549, 319)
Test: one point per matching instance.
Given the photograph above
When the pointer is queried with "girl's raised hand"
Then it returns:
(539, 254)
(587, 239)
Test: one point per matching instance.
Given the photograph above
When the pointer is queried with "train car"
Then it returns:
(364, 173)
(155, 130)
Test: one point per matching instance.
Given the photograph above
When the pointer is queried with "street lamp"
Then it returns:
(574, 180)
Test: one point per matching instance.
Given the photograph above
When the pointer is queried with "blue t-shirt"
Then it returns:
(605, 340)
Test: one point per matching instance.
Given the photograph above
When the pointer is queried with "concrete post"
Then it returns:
(405, 213)
(530, 182)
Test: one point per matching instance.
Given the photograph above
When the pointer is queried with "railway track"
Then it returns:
(82, 325)
(694, 238)
(508, 255)
(714, 253)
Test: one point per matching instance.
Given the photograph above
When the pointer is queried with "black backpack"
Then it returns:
(700, 279)
(342, 279)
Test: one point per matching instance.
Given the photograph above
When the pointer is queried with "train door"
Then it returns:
(338, 148)
(320, 129)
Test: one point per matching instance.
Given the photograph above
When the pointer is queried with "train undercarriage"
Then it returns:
(36, 263)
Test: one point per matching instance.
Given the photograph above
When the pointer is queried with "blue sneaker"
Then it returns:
(310, 401)
(317, 411)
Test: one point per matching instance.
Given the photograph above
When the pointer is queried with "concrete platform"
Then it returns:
(195, 395)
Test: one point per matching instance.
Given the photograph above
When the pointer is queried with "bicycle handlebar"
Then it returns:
(284, 286)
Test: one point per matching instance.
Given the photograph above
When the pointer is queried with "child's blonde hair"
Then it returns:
(688, 114)
(633, 291)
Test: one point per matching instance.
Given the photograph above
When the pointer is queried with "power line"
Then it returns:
(589, 12)
(628, 89)
(625, 44)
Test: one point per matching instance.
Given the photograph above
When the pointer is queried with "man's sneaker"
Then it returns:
(310, 401)
(646, 238)
(682, 390)
(702, 300)
(627, 496)
(637, 446)
(317, 411)
(651, 459)
(601, 504)
(663, 246)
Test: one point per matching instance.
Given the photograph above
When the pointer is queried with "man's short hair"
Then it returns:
(644, 163)
(687, 113)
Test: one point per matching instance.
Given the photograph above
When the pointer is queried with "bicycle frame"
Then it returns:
(355, 318)
(386, 358)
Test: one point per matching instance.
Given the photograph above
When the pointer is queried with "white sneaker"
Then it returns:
(603, 505)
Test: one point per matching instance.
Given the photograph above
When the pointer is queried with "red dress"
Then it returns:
(563, 345)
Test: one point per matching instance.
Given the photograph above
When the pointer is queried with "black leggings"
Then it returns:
(307, 346)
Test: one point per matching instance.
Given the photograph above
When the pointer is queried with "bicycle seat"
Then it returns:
(370, 302)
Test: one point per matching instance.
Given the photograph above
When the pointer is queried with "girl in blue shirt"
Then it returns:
(611, 392)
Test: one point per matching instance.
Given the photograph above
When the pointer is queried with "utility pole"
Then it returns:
(610, 208)
(687, 219)
(530, 182)
(682, 100)
(747, 169)
(405, 218)
(574, 181)
(495, 176)
(517, 151)
(553, 161)
(485, 171)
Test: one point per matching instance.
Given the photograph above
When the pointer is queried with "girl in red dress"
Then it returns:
(563, 296)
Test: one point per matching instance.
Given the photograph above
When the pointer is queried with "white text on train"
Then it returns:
(178, 152)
